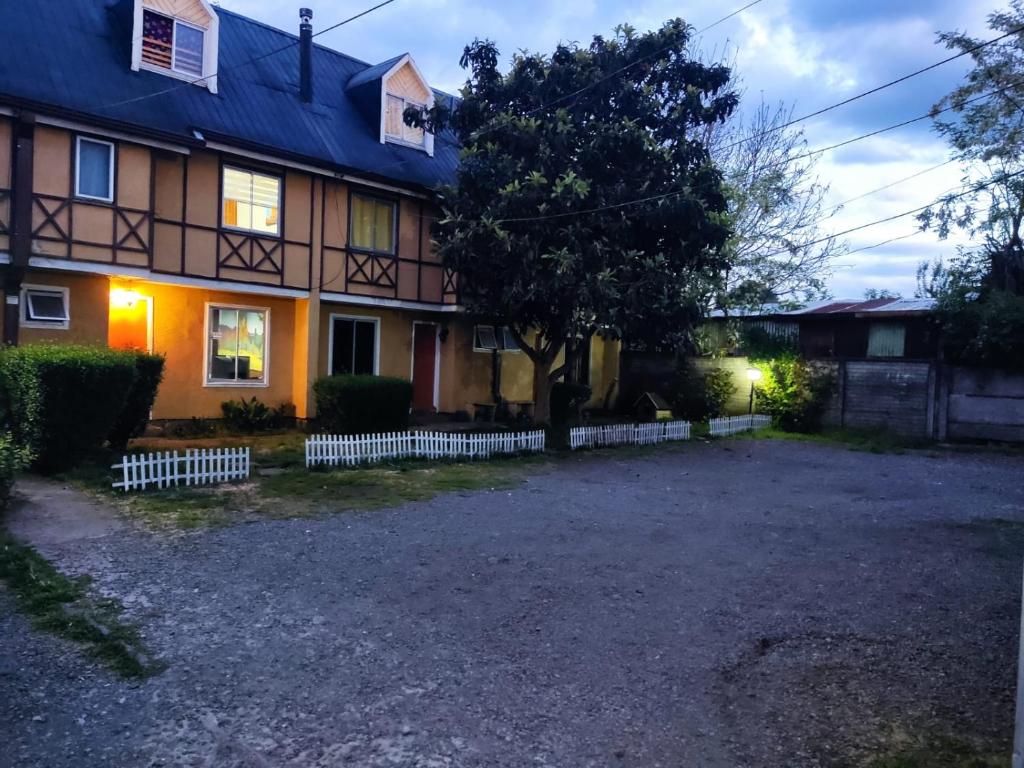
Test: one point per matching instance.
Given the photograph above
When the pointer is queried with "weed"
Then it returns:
(62, 606)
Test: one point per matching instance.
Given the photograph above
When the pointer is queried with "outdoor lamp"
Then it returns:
(123, 298)
(754, 374)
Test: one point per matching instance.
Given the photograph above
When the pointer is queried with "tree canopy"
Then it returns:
(586, 200)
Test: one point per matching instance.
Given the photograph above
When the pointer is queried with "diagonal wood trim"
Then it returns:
(50, 214)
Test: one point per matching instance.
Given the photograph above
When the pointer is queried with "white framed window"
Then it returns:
(353, 345)
(251, 201)
(237, 346)
(487, 338)
(94, 169)
(373, 224)
(395, 128)
(45, 306)
(170, 43)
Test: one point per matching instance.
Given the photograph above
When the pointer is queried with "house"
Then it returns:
(180, 178)
(848, 328)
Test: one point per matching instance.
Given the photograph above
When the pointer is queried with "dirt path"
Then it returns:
(761, 604)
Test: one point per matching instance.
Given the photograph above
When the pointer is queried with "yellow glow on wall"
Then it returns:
(124, 298)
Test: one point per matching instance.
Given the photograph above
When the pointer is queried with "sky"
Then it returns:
(806, 53)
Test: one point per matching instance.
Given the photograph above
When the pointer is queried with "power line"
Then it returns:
(480, 131)
(876, 89)
(887, 219)
(246, 63)
(847, 142)
(895, 183)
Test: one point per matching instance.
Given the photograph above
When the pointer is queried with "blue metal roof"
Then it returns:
(75, 56)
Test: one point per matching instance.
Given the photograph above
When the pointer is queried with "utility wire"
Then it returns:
(821, 150)
(895, 183)
(887, 219)
(480, 131)
(246, 63)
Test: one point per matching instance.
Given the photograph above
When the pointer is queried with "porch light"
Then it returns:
(754, 374)
(123, 298)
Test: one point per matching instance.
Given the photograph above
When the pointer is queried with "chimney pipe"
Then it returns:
(306, 54)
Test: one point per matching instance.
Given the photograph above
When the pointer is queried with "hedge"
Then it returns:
(62, 401)
(351, 404)
(131, 422)
(13, 459)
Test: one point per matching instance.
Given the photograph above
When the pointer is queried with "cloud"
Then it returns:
(809, 53)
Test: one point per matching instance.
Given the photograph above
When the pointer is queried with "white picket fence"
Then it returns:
(628, 434)
(366, 449)
(204, 466)
(731, 425)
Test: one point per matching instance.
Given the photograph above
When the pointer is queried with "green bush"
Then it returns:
(350, 404)
(698, 395)
(13, 459)
(793, 393)
(131, 422)
(566, 400)
(983, 331)
(253, 415)
(62, 401)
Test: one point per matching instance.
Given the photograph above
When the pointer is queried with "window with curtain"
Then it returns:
(172, 44)
(394, 121)
(373, 224)
(353, 346)
(887, 340)
(94, 169)
(238, 339)
(251, 201)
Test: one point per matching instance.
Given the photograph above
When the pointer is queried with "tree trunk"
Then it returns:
(542, 391)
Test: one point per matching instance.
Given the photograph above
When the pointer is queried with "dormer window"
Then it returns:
(395, 127)
(172, 44)
(177, 38)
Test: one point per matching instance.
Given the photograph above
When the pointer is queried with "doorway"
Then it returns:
(130, 322)
(426, 353)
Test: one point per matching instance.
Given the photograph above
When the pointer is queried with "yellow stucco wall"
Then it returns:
(87, 310)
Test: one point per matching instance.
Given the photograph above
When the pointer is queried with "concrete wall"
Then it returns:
(982, 405)
(894, 396)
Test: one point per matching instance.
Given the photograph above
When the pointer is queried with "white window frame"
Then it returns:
(110, 169)
(211, 34)
(60, 325)
(330, 339)
(280, 201)
(406, 103)
(499, 339)
(428, 138)
(217, 383)
(175, 21)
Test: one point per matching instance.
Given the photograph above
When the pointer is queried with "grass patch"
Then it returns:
(62, 606)
(943, 752)
(391, 484)
(872, 441)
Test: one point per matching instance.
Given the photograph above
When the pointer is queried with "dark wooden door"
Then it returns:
(424, 364)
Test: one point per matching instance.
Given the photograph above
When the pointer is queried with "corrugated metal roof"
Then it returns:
(75, 55)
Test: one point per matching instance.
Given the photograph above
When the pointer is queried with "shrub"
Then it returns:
(61, 401)
(699, 395)
(983, 331)
(13, 459)
(352, 404)
(149, 372)
(566, 400)
(794, 393)
(252, 415)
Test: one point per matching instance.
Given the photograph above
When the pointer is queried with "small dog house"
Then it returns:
(651, 406)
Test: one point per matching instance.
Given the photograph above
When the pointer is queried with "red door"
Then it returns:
(424, 362)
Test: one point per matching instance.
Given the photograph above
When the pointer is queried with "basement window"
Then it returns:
(172, 44)
(487, 338)
(44, 307)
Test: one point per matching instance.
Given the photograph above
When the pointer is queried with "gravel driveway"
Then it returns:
(745, 603)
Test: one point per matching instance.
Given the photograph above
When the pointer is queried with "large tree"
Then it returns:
(777, 251)
(586, 200)
(983, 121)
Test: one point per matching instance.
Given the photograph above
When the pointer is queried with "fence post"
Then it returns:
(1018, 724)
